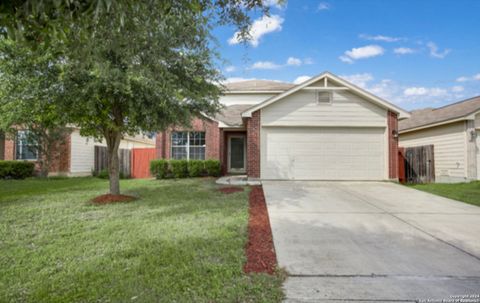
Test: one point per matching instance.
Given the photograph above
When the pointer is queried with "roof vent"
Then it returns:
(324, 97)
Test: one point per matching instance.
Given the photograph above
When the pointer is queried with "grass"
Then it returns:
(182, 241)
(465, 192)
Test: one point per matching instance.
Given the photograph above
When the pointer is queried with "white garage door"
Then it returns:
(323, 153)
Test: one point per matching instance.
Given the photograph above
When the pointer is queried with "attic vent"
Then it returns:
(324, 97)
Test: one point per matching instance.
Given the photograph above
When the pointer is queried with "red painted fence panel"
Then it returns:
(141, 158)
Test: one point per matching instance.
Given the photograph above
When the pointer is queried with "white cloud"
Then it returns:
(265, 65)
(275, 3)
(381, 38)
(424, 91)
(294, 61)
(457, 88)
(434, 52)
(323, 6)
(360, 80)
(466, 78)
(259, 28)
(291, 61)
(362, 53)
(309, 61)
(301, 79)
(403, 50)
(230, 69)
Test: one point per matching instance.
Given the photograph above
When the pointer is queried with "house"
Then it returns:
(76, 157)
(454, 132)
(322, 129)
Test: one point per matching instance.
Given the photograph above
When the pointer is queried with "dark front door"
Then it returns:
(236, 148)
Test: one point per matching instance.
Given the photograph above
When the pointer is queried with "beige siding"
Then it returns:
(477, 121)
(301, 109)
(253, 98)
(83, 155)
(478, 154)
(449, 148)
(323, 153)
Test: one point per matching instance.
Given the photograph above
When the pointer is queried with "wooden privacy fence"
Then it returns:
(141, 158)
(416, 164)
(101, 160)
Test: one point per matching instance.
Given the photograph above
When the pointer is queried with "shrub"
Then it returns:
(179, 168)
(16, 169)
(103, 174)
(196, 168)
(213, 168)
(159, 168)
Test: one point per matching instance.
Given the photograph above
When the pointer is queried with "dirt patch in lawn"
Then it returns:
(108, 198)
(261, 257)
(230, 189)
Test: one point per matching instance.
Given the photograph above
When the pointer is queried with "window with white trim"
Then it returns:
(25, 148)
(324, 97)
(188, 145)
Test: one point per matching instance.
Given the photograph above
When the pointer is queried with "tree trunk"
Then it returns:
(113, 142)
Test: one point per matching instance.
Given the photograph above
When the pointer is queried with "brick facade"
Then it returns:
(253, 145)
(392, 123)
(213, 138)
(60, 161)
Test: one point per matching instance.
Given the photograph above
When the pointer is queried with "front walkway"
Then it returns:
(239, 180)
(372, 241)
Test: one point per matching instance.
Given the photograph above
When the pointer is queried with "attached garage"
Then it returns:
(323, 153)
(323, 129)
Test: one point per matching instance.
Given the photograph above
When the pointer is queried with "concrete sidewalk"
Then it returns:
(372, 241)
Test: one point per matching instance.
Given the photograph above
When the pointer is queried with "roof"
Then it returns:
(258, 86)
(232, 115)
(346, 85)
(430, 116)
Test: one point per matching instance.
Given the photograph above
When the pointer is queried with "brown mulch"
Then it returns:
(230, 189)
(108, 198)
(261, 257)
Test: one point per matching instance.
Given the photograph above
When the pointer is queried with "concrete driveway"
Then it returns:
(372, 241)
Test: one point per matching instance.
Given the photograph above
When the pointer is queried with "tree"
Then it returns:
(28, 96)
(134, 65)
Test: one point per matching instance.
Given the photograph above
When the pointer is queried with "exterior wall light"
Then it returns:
(395, 133)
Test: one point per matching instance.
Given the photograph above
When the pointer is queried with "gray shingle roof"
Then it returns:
(428, 116)
(258, 85)
(232, 115)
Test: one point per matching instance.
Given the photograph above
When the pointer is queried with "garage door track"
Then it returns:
(372, 241)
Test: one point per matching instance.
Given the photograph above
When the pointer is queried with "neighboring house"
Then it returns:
(323, 129)
(454, 131)
(74, 158)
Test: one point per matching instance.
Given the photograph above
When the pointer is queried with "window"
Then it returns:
(25, 149)
(324, 97)
(188, 145)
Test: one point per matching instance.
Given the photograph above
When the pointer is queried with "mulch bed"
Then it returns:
(230, 189)
(261, 257)
(108, 198)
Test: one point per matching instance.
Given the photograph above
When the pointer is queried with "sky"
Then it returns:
(415, 54)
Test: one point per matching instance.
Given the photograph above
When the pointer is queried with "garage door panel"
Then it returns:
(323, 153)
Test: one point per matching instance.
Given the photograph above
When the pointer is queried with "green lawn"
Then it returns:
(466, 192)
(182, 241)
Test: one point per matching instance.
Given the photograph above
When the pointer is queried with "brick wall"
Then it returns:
(253, 145)
(392, 122)
(60, 160)
(212, 139)
(9, 149)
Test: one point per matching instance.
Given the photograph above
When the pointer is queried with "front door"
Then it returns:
(236, 154)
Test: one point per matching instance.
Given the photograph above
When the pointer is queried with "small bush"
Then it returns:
(196, 168)
(179, 168)
(16, 169)
(159, 168)
(103, 174)
(213, 168)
